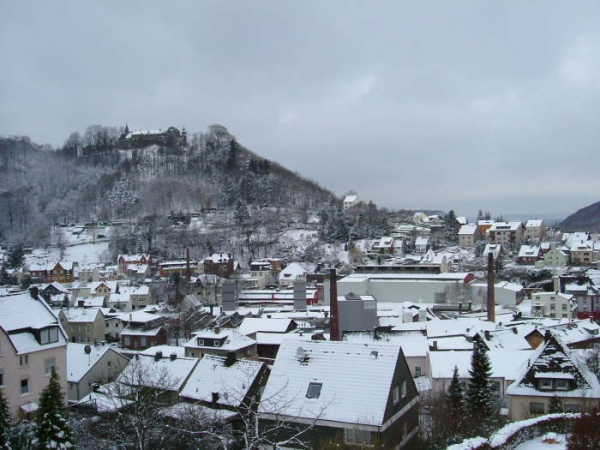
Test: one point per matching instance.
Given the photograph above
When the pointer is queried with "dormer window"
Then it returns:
(48, 335)
(563, 385)
(200, 342)
(217, 343)
(545, 383)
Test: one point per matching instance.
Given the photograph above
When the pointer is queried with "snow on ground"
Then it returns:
(538, 444)
(82, 254)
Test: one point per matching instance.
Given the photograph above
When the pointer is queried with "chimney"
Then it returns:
(230, 359)
(491, 301)
(34, 292)
(217, 329)
(215, 397)
(334, 320)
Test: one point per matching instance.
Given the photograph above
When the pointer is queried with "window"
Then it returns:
(48, 335)
(49, 364)
(418, 371)
(404, 390)
(552, 306)
(108, 363)
(144, 341)
(536, 408)
(562, 385)
(396, 394)
(24, 386)
(23, 360)
(564, 306)
(200, 342)
(217, 343)
(314, 390)
(572, 407)
(127, 341)
(1, 378)
(354, 436)
(495, 386)
(545, 383)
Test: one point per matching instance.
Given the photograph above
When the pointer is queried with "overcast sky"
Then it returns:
(467, 105)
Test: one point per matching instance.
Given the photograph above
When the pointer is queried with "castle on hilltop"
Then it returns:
(171, 137)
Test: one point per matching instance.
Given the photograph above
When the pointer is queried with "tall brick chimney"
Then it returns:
(334, 319)
(491, 300)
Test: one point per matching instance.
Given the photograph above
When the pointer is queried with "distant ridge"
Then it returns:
(585, 219)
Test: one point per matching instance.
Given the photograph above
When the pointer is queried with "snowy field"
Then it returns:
(537, 444)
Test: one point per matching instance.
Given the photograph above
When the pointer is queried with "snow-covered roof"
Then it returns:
(251, 325)
(457, 327)
(91, 302)
(529, 251)
(166, 350)
(534, 223)
(506, 226)
(218, 258)
(138, 316)
(232, 339)
(421, 240)
(79, 362)
(342, 371)
(81, 315)
(413, 344)
(21, 311)
(468, 229)
(149, 371)
(504, 363)
(292, 271)
(130, 331)
(494, 249)
(212, 374)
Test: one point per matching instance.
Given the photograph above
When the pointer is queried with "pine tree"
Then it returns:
(5, 423)
(456, 396)
(52, 429)
(482, 401)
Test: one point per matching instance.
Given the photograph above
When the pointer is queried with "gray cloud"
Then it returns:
(462, 105)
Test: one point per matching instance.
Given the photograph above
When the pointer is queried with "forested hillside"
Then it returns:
(585, 219)
(94, 177)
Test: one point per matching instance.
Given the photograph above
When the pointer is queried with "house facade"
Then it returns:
(86, 370)
(506, 233)
(553, 305)
(468, 235)
(552, 372)
(220, 264)
(32, 344)
(83, 325)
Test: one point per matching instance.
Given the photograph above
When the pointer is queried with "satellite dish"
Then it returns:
(87, 349)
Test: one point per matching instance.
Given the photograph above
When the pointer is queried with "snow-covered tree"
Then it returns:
(5, 424)
(52, 429)
(482, 399)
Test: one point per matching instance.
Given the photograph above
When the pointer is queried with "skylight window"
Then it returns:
(314, 390)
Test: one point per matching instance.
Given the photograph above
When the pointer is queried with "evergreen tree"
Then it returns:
(452, 227)
(52, 429)
(5, 424)
(482, 401)
(241, 216)
(456, 396)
